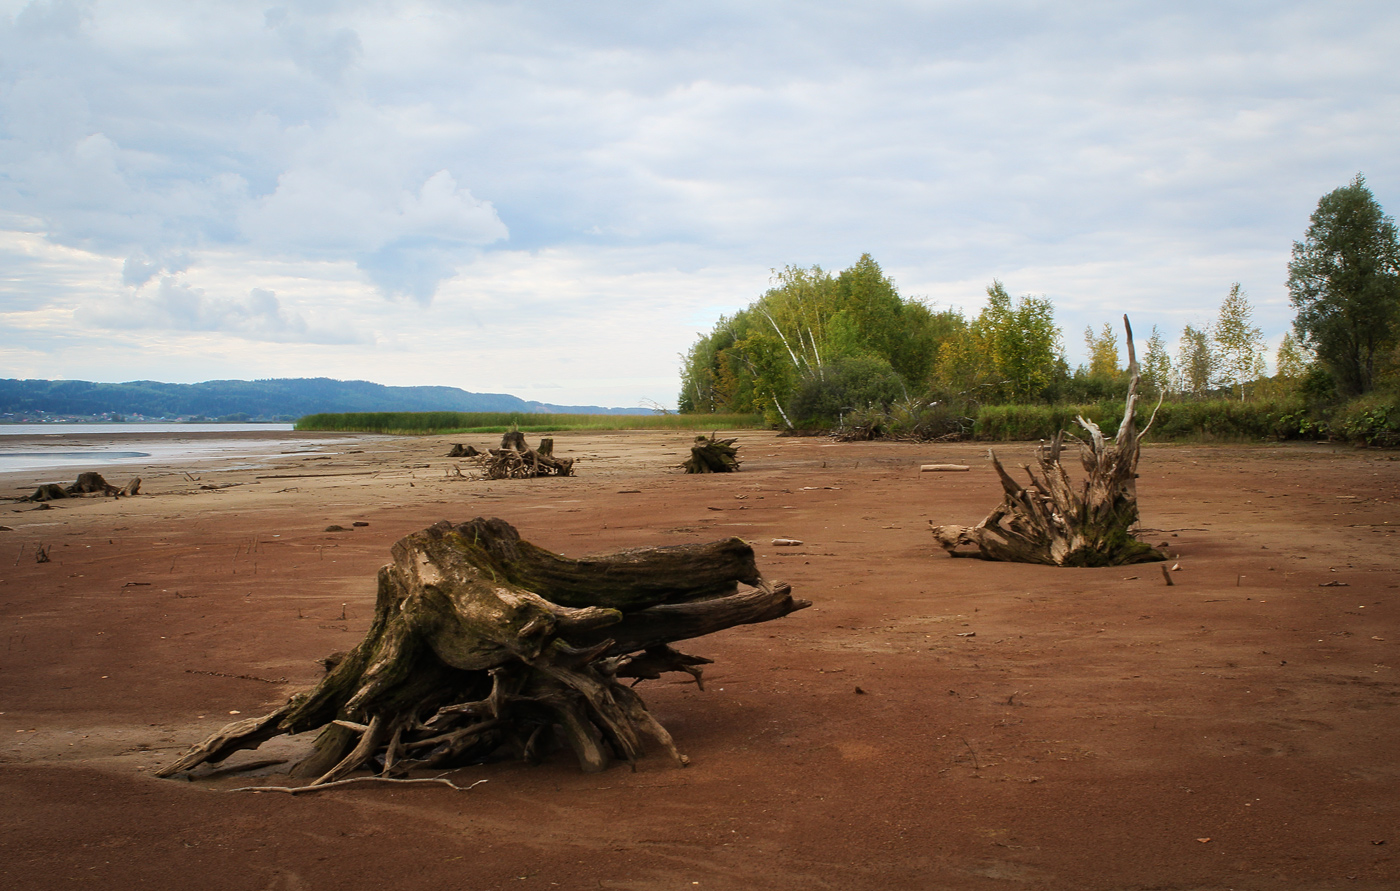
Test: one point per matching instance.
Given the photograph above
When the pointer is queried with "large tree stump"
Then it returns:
(711, 455)
(482, 641)
(515, 460)
(1051, 520)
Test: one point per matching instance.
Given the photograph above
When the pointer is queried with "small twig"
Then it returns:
(976, 765)
(300, 790)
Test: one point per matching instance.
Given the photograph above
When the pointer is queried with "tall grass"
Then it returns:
(1215, 420)
(404, 423)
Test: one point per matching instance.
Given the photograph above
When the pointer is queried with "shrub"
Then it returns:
(844, 386)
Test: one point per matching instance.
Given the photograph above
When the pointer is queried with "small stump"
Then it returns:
(710, 455)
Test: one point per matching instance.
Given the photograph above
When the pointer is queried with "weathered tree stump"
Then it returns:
(89, 482)
(515, 460)
(482, 641)
(1050, 520)
(710, 455)
(460, 451)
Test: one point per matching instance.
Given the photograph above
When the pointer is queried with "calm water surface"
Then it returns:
(61, 447)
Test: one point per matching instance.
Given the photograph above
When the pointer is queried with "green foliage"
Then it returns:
(1195, 420)
(1008, 353)
(1197, 364)
(845, 385)
(1373, 419)
(1156, 372)
(1292, 360)
(1103, 351)
(1238, 344)
(1344, 281)
(907, 419)
(442, 422)
(808, 324)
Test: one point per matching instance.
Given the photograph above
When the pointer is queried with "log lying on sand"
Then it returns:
(482, 641)
(515, 460)
(1050, 520)
(710, 455)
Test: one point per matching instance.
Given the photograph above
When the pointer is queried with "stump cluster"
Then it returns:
(482, 642)
(1051, 520)
(711, 455)
(515, 460)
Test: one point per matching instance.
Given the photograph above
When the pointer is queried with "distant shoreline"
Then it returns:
(55, 455)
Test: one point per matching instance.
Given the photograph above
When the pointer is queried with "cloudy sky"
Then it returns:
(553, 199)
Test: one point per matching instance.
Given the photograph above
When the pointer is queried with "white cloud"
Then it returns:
(175, 305)
(1110, 156)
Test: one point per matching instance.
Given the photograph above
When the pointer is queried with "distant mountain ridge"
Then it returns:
(258, 400)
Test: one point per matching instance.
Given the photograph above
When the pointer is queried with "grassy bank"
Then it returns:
(445, 422)
(1215, 420)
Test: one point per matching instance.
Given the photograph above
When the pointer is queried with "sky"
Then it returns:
(556, 199)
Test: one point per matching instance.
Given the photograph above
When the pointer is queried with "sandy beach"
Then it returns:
(928, 723)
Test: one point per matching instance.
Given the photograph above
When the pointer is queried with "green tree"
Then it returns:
(1010, 352)
(1292, 360)
(1197, 366)
(1238, 344)
(1344, 281)
(1156, 365)
(807, 324)
(1103, 351)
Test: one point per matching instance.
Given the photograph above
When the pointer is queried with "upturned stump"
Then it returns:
(1051, 520)
(482, 642)
(711, 455)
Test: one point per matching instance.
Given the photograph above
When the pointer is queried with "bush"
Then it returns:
(845, 386)
(1373, 419)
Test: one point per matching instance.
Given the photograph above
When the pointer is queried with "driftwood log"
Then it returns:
(1052, 521)
(711, 455)
(515, 460)
(483, 642)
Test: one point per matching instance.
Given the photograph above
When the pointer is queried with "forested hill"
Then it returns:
(264, 400)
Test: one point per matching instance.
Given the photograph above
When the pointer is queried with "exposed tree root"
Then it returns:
(1052, 521)
(482, 642)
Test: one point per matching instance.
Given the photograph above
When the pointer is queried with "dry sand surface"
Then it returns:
(929, 723)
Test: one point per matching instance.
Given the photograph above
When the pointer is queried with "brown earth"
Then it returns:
(929, 723)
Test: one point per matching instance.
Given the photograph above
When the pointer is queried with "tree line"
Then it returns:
(819, 348)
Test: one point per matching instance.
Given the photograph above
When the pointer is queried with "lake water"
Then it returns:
(58, 448)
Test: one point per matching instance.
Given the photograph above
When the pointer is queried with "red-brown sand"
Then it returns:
(929, 723)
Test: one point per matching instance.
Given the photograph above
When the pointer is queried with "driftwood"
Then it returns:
(482, 642)
(515, 460)
(89, 482)
(710, 455)
(460, 451)
(1050, 520)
